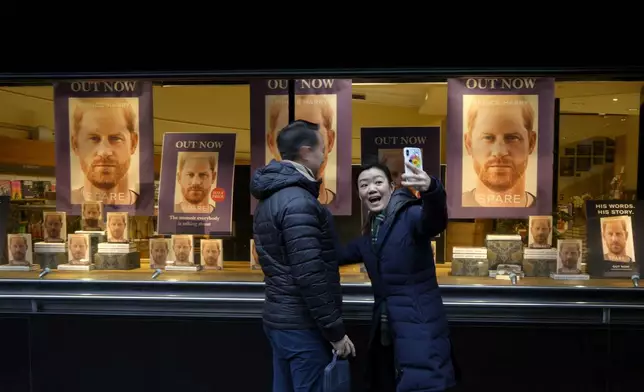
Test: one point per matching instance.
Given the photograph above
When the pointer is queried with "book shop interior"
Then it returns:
(79, 204)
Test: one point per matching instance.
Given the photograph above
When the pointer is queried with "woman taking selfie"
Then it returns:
(409, 344)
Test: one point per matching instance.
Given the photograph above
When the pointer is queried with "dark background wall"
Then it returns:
(87, 353)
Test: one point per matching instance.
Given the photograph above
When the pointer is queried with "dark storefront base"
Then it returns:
(88, 353)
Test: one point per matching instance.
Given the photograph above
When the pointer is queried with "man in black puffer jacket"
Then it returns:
(295, 242)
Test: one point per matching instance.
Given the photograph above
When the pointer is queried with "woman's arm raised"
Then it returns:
(430, 218)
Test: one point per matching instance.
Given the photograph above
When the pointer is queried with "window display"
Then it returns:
(517, 211)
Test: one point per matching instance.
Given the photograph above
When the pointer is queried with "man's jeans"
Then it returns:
(299, 359)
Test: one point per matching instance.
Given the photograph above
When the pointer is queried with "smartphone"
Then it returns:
(414, 156)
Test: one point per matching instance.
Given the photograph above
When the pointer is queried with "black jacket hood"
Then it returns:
(399, 199)
(279, 175)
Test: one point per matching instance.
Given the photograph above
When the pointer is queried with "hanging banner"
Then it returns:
(196, 189)
(613, 246)
(385, 145)
(104, 145)
(326, 102)
(500, 147)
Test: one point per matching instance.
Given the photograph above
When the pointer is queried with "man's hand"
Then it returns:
(344, 347)
(418, 179)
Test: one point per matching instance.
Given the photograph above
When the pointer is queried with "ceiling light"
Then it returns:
(615, 99)
(632, 109)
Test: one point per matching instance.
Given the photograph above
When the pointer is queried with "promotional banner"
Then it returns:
(613, 246)
(500, 147)
(326, 102)
(196, 189)
(385, 145)
(104, 145)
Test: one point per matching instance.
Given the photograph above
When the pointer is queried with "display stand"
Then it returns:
(636, 280)
(76, 267)
(192, 268)
(504, 271)
(50, 259)
(117, 256)
(156, 273)
(569, 276)
(95, 238)
(469, 261)
(213, 268)
(44, 272)
(30, 267)
(50, 254)
(539, 262)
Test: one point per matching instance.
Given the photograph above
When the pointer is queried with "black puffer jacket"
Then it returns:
(296, 245)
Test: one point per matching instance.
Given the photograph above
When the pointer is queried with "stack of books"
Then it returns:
(469, 261)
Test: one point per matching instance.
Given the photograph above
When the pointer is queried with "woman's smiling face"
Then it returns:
(375, 189)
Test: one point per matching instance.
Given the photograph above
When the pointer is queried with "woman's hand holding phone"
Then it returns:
(416, 178)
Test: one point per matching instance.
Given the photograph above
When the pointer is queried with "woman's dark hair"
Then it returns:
(377, 165)
(366, 228)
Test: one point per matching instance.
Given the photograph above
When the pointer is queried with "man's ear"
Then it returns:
(468, 143)
(135, 142)
(532, 140)
(74, 145)
(331, 136)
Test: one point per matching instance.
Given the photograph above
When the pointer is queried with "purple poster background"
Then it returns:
(260, 90)
(373, 139)
(426, 138)
(63, 91)
(217, 223)
(542, 87)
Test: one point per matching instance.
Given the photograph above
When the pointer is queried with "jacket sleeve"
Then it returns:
(430, 218)
(351, 253)
(302, 231)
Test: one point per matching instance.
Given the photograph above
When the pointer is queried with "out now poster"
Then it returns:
(104, 145)
(612, 229)
(385, 145)
(326, 102)
(500, 147)
(196, 188)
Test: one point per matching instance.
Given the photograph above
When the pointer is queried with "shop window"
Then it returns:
(597, 142)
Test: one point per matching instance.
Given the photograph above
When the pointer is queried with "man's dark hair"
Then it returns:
(295, 135)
